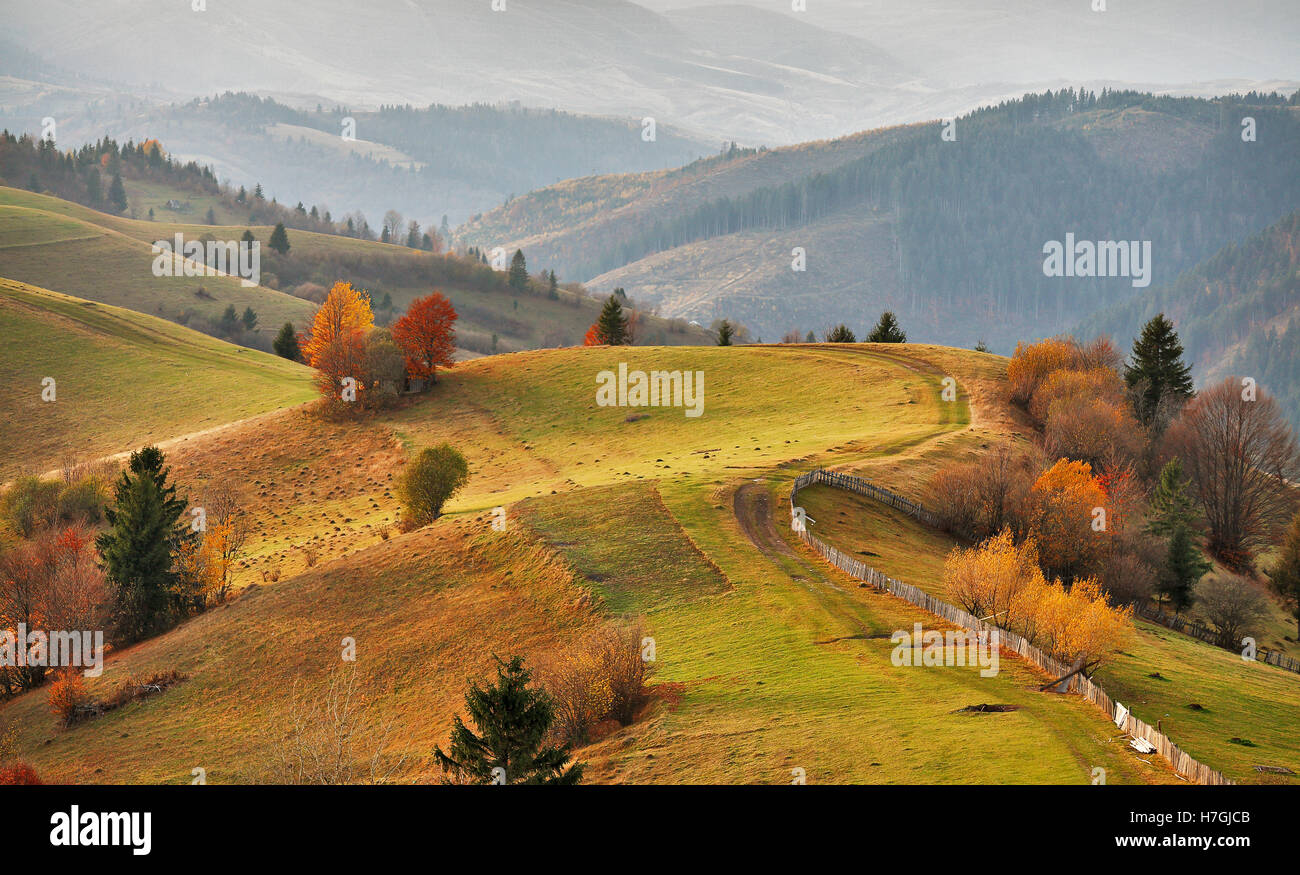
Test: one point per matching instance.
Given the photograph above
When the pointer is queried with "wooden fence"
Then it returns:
(1182, 762)
(1209, 636)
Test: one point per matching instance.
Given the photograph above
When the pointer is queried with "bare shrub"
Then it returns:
(1233, 607)
(334, 736)
(601, 678)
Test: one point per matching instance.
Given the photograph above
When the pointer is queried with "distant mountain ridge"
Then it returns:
(948, 233)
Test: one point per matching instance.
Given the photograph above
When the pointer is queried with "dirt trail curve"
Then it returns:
(752, 505)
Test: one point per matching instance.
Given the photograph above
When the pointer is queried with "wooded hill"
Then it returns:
(1236, 313)
(948, 233)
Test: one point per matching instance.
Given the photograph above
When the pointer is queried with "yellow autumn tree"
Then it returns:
(1066, 512)
(336, 346)
(986, 580)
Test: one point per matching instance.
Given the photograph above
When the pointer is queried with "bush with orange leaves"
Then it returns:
(1000, 581)
(601, 678)
(1077, 625)
(68, 698)
(1066, 514)
(1032, 363)
(18, 774)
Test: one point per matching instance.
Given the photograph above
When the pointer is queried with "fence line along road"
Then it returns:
(1184, 764)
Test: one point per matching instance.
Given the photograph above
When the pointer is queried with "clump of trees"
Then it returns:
(358, 364)
(1133, 472)
(1001, 581)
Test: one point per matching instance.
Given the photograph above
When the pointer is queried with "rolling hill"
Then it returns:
(768, 659)
(120, 378)
(60, 245)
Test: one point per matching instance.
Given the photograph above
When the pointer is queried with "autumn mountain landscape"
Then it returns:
(834, 394)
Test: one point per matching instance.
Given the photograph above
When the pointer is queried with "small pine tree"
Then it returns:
(117, 194)
(725, 333)
(981, 346)
(1285, 574)
(286, 343)
(611, 325)
(841, 334)
(518, 277)
(811, 338)
(1184, 567)
(229, 324)
(512, 720)
(1157, 374)
(553, 286)
(1171, 506)
(137, 550)
(887, 330)
(279, 239)
(249, 319)
(248, 237)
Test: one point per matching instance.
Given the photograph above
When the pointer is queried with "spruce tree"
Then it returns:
(138, 548)
(248, 237)
(117, 194)
(249, 319)
(887, 330)
(611, 325)
(279, 239)
(286, 343)
(512, 720)
(229, 321)
(1157, 374)
(725, 333)
(841, 334)
(1171, 506)
(1285, 574)
(518, 277)
(1184, 567)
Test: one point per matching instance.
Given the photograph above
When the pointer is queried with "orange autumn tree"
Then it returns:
(1066, 515)
(336, 347)
(427, 336)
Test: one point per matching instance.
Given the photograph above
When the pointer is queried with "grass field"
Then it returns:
(1245, 700)
(767, 660)
(122, 379)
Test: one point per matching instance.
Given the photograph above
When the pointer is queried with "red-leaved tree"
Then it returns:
(427, 335)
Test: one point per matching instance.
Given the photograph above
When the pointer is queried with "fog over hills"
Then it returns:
(752, 72)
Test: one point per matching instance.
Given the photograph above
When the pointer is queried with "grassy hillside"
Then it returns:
(121, 378)
(64, 246)
(767, 659)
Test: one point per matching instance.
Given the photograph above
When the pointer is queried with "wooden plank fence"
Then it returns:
(1182, 762)
(1209, 636)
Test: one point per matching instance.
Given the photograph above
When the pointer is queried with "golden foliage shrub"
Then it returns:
(1001, 581)
(67, 696)
(1032, 363)
(601, 678)
(1062, 515)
